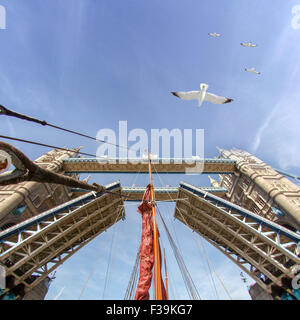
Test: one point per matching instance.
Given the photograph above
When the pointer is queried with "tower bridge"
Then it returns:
(237, 215)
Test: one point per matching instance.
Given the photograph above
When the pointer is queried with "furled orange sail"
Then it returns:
(146, 248)
(150, 253)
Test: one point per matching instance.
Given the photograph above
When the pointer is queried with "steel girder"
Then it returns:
(39, 245)
(261, 248)
(161, 165)
(161, 193)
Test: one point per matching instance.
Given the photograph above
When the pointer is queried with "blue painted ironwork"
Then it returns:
(294, 237)
(158, 160)
(162, 161)
(20, 210)
(278, 212)
(288, 174)
(80, 201)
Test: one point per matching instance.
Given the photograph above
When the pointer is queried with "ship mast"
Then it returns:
(157, 263)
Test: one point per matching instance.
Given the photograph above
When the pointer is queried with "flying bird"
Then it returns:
(201, 96)
(252, 70)
(214, 34)
(249, 44)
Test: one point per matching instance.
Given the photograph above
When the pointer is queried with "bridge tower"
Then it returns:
(256, 186)
(19, 202)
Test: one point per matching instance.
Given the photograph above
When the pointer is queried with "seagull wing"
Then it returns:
(210, 97)
(189, 95)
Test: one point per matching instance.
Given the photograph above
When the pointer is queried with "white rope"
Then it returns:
(91, 273)
(190, 286)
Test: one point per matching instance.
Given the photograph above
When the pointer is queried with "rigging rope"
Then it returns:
(211, 265)
(134, 275)
(174, 230)
(44, 145)
(94, 266)
(170, 284)
(54, 147)
(133, 204)
(108, 273)
(210, 271)
(208, 260)
(134, 179)
(170, 272)
(170, 275)
(192, 290)
(90, 274)
(10, 113)
(132, 281)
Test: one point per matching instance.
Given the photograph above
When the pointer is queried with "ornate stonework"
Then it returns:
(259, 188)
(21, 201)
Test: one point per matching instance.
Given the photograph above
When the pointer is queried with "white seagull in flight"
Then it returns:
(252, 70)
(201, 96)
(214, 34)
(249, 44)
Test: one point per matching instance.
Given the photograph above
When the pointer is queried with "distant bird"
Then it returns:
(214, 34)
(252, 70)
(249, 44)
(201, 96)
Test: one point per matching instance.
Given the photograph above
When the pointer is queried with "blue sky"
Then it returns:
(86, 65)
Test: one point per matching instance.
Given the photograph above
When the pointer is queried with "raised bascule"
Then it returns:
(252, 215)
